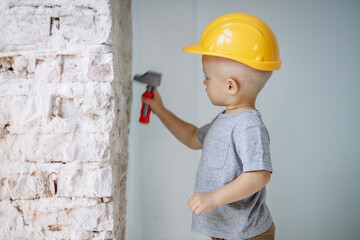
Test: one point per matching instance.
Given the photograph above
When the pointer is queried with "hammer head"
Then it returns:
(150, 78)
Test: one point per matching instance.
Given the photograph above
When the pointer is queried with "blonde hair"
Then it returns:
(256, 79)
(253, 79)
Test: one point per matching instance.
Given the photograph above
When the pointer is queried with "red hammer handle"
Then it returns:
(145, 119)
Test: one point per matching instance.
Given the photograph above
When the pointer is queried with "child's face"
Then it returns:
(216, 85)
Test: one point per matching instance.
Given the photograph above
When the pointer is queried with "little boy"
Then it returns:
(239, 54)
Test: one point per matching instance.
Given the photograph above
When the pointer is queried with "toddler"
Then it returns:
(239, 54)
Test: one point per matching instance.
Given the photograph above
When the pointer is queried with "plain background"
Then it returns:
(310, 107)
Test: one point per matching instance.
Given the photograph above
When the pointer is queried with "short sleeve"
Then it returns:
(201, 132)
(253, 148)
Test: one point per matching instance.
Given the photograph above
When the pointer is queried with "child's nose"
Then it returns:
(204, 82)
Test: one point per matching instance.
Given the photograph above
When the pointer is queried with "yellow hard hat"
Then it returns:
(241, 37)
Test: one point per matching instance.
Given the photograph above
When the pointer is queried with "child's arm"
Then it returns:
(183, 131)
(242, 187)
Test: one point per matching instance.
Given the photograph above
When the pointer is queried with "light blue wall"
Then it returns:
(311, 108)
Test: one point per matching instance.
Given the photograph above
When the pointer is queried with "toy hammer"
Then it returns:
(152, 79)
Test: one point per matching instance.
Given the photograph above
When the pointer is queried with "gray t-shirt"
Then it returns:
(233, 144)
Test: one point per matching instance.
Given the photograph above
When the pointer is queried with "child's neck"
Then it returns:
(239, 108)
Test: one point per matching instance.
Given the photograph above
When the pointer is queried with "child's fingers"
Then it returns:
(149, 100)
(156, 92)
(193, 208)
(190, 202)
(193, 205)
(146, 100)
(197, 212)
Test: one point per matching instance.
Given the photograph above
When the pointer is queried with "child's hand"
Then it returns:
(155, 103)
(202, 202)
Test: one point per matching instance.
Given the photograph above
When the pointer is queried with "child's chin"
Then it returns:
(217, 103)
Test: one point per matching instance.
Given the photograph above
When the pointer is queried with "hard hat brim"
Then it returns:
(265, 66)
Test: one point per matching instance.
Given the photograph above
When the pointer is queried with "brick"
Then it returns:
(6, 69)
(56, 218)
(23, 66)
(61, 24)
(63, 148)
(67, 232)
(48, 68)
(84, 68)
(85, 181)
(55, 7)
(11, 220)
(54, 68)
(26, 186)
(101, 68)
(75, 68)
(95, 28)
(20, 112)
(24, 29)
(96, 217)
(81, 107)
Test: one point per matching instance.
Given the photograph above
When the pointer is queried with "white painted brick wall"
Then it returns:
(65, 91)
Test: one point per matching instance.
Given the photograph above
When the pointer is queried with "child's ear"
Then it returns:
(232, 85)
